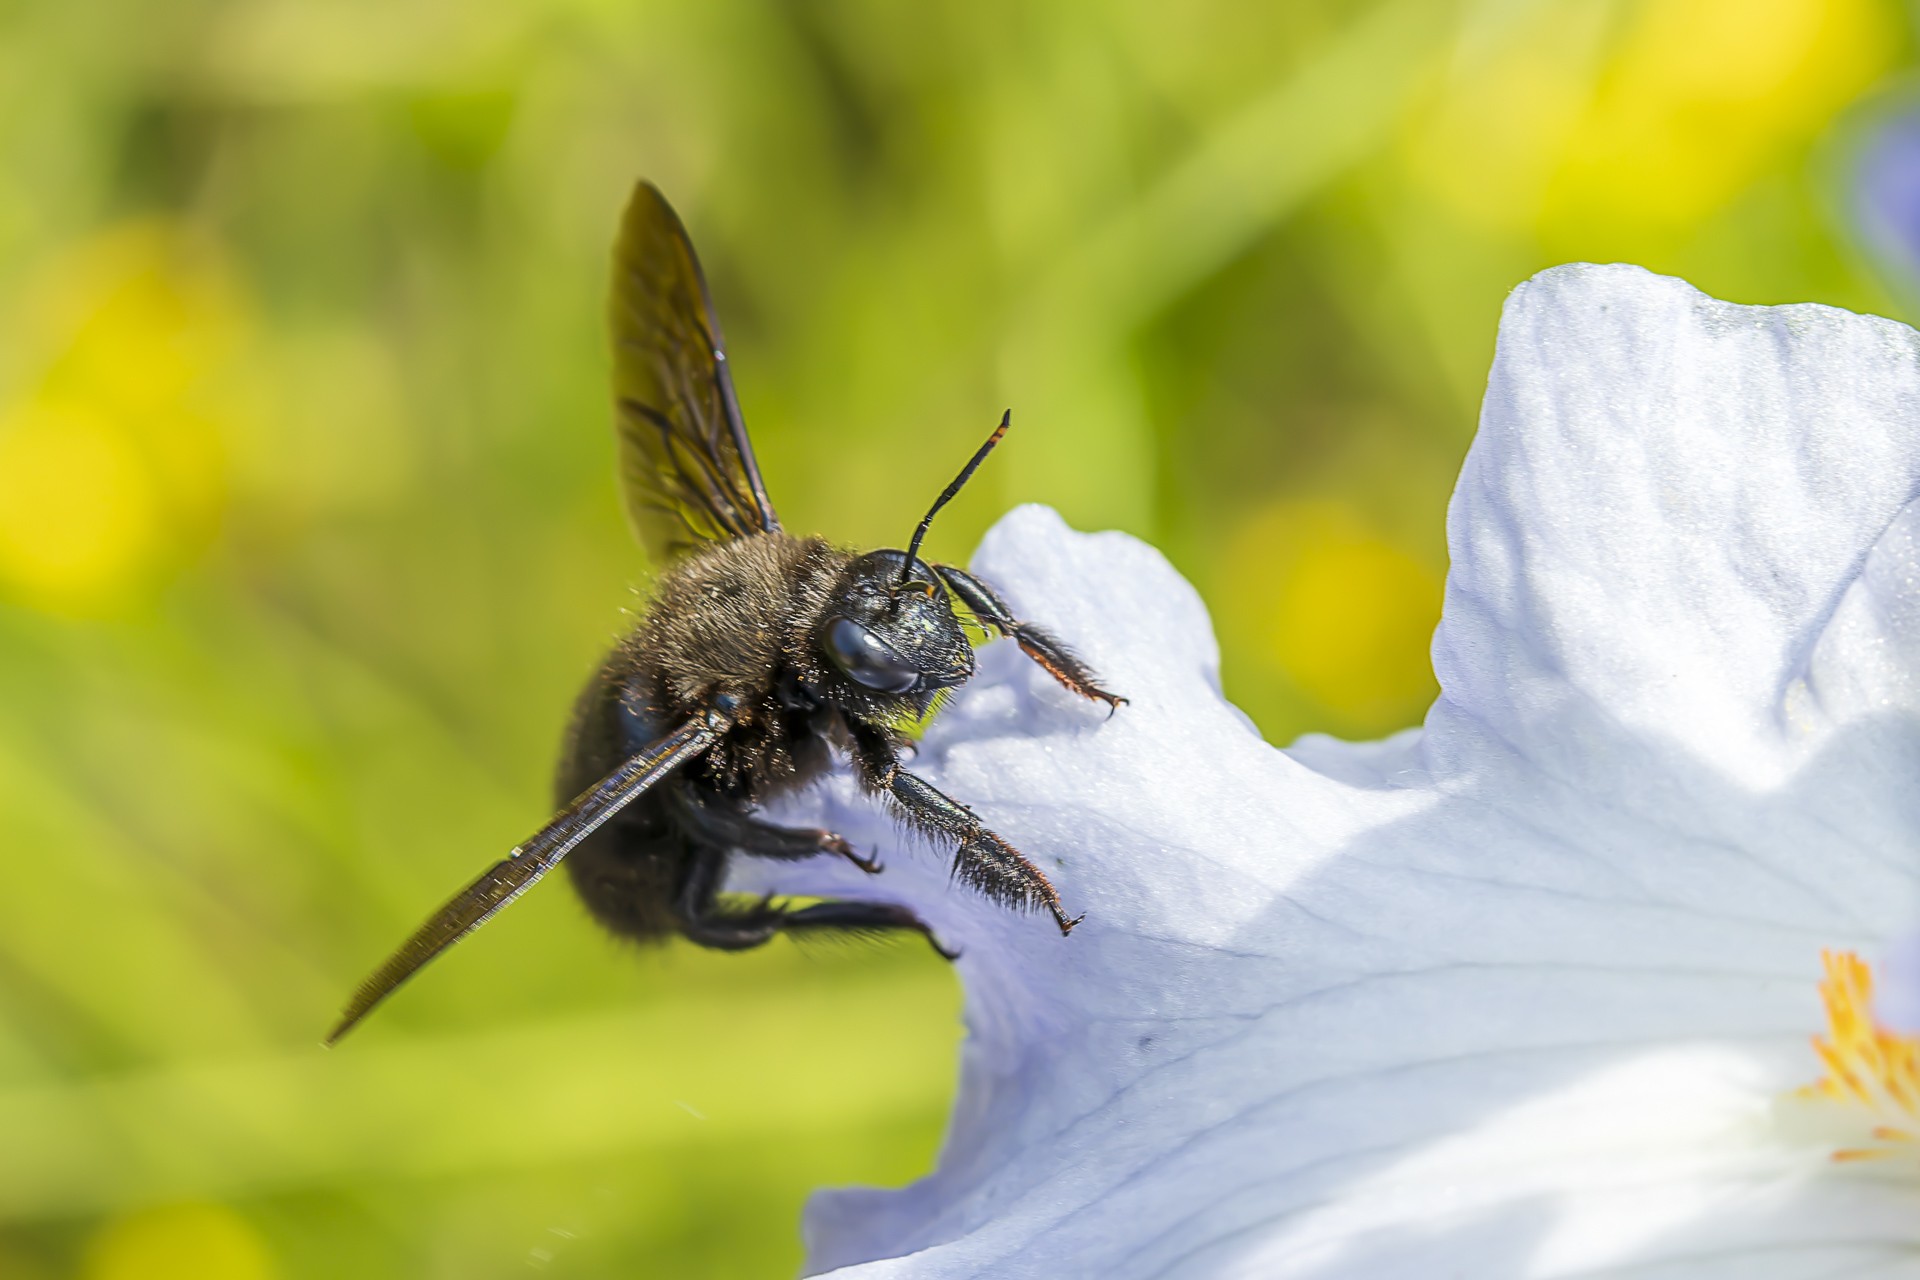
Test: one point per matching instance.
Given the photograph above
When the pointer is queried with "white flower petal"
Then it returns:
(1509, 996)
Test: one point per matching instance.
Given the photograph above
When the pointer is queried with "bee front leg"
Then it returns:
(1057, 659)
(981, 859)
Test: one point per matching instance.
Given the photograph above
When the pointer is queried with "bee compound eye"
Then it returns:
(867, 658)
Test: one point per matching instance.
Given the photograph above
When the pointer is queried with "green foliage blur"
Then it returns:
(308, 529)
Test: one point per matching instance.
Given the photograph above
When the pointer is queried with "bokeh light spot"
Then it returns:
(1576, 128)
(1702, 95)
(112, 450)
(178, 1242)
(1490, 139)
(77, 515)
(1341, 611)
(1885, 192)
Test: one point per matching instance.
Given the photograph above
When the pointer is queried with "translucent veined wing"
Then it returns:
(506, 880)
(687, 473)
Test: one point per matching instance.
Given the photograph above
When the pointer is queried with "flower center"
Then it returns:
(1872, 1074)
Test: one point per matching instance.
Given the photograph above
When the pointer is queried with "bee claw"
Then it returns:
(834, 844)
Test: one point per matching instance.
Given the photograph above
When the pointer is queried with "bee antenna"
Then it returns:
(946, 494)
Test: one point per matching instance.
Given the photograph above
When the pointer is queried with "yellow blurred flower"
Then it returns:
(112, 459)
(1705, 94)
(1488, 143)
(1566, 127)
(77, 504)
(178, 1242)
(1342, 612)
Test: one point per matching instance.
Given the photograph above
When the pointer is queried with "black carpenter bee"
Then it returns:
(760, 653)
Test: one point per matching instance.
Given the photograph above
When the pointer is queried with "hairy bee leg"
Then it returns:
(720, 825)
(1055, 658)
(981, 858)
(862, 916)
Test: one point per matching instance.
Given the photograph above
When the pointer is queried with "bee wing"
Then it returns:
(687, 472)
(506, 880)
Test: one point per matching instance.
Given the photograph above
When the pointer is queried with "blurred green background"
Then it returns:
(308, 529)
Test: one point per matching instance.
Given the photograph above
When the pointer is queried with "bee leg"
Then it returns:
(720, 824)
(1055, 658)
(981, 858)
(703, 919)
(862, 917)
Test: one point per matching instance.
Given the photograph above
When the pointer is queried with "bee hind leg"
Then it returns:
(706, 920)
(862, 917)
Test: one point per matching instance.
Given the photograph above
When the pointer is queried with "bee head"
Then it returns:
(890, 629)
(894, 639)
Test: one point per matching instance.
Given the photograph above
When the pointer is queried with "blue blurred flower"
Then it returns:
(1886, 192)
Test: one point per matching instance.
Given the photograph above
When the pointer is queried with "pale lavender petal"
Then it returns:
(1897, 1000)
(1508, 996)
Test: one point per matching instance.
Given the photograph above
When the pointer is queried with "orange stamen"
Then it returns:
(1866, 1064)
